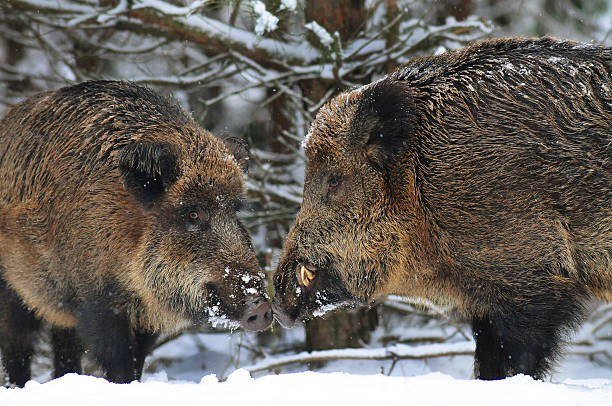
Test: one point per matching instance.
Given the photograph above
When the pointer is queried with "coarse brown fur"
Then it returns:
(480, 179)
(118, 219)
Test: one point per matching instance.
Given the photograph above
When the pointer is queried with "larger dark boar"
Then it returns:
(480, 179)
(118, 219)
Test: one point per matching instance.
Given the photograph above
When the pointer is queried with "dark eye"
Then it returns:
(197, 217)
(332, 183)
(194, 216)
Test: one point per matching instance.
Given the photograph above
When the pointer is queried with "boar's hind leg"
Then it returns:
(144, 344)
(107, 334)
(66, 351)
(18, 328)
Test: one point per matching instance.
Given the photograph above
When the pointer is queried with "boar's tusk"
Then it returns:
(306, 276)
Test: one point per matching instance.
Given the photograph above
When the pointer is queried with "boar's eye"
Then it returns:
(197, 217)
(332, 183)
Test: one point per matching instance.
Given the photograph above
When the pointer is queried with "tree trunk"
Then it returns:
(347, 17)
(344, 328)
(460, 9)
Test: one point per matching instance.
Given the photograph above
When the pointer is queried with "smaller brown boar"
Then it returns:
(118, 220)
(480, 179)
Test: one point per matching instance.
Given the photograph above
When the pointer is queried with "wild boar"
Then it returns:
(118, 220)
(479, 179)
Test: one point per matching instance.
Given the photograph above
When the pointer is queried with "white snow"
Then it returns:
(324, 36)
(191, 370)
(308, 388)
(223, 322)
(326, 308)
(219, 320)
(290, 5)
(508, 66)
(266, 21)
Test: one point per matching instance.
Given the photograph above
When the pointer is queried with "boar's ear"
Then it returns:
(239, 149)
(385, 113)
(148, 169)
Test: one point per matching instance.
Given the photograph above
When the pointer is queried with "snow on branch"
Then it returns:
(321, 33)
(54, 7)
(290, 5)
(395, 352)
(171, 9)
(216, 35)
(266, 21)
(167, 19)
(184, 81)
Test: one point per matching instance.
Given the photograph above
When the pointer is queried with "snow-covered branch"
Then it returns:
(169, 20)
(395, 352)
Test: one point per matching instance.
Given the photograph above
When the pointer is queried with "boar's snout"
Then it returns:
(286, 302)
(282, 316)
(258, 314)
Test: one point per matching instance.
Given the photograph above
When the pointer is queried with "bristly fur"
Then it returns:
(118, 219)
(480, 179)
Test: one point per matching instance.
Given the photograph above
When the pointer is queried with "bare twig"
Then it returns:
(398, 303)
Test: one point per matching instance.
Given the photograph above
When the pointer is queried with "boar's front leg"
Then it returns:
(524, 337)
(18, 328)
(144, 344)
(506, 347)
(107, 333)
(67, 351)
(491, 360)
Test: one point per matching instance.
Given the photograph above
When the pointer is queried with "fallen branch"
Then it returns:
(397, 352)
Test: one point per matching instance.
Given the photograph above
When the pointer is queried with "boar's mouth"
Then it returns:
(253, 314)
(317, 290)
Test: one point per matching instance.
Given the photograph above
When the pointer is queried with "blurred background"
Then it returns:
(260, 70)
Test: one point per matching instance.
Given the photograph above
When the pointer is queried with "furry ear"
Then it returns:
(148, 169)
(384, 117)
(239, 149)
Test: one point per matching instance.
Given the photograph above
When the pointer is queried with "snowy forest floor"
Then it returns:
(414, 359)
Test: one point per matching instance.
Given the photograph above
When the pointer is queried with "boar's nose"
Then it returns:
(258, 315)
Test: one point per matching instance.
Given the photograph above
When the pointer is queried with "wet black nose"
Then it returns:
(258, 316)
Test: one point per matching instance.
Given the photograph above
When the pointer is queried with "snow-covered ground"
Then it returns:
(213, 368)
(312, 388)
